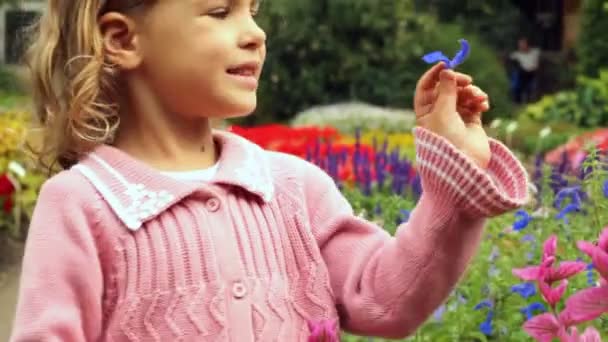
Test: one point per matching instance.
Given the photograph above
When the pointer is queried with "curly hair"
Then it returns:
(74, 88)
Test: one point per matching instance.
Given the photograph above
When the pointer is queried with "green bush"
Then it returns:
(343, 50)
(593, 45)
(527, 138)
(9, 81)
(499, 23)
(585, 106)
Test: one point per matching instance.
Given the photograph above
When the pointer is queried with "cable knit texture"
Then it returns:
(120, 252)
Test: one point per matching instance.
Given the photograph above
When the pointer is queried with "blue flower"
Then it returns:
(523, 220)
(529, 238)
(605, 188)
(461, 299)
(378, 210)
(459, 58)
(526, 290)
(484, 304)
(530, 256)
(590, 275)
(574, 193)
(530, 309)
(438, 314)
(494, 254)
(486, 326)
(404, 216)
(568, 209)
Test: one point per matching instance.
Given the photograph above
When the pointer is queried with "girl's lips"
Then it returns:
(248, 81)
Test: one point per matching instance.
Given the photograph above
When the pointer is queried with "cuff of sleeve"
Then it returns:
(449, 174)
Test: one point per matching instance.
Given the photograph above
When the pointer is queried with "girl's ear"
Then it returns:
(120, 41)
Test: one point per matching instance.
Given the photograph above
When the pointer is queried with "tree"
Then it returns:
(499, 22)
(593, 45)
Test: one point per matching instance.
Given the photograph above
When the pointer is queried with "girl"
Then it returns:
(162, 229)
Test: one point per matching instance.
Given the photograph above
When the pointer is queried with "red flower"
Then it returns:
(298, 140)
(7, 189)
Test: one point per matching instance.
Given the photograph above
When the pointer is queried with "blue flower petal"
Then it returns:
(459, 58)
(461, 55)
(436, 56)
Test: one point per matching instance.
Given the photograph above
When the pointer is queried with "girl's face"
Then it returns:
(201, 57)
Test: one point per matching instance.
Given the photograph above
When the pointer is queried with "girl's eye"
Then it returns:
(220, 13)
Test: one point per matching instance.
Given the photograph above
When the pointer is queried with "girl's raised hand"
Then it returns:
(448, 104)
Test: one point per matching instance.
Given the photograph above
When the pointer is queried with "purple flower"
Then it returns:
(459, 58)
(574, 193)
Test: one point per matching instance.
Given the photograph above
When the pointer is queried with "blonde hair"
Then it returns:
(74, 89)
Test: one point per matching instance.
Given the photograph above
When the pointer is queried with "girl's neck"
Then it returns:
(165, 141)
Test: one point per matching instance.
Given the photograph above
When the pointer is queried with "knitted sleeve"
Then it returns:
(388, 286)
(61, 284)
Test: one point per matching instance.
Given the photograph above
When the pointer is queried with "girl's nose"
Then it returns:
(253, 37)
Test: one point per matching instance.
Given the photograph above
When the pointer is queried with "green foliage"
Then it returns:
(341, 50)
(593, 45)
(527, 138)
(499, 23)
(585, 106)
(9, 81)
(330, 51)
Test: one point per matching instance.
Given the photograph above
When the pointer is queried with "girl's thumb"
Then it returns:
(447, 96)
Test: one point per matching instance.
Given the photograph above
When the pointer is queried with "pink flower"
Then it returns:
(549, 247)
(564, 270)
(586, 305)
(323, 331)
(543, 327)
(598, 254)
(551, 274)
(552, 295)
(590, 335)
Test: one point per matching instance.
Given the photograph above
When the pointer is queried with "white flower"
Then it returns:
(17, 169)
(544, 132)
(511, 127)
(495, 123)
